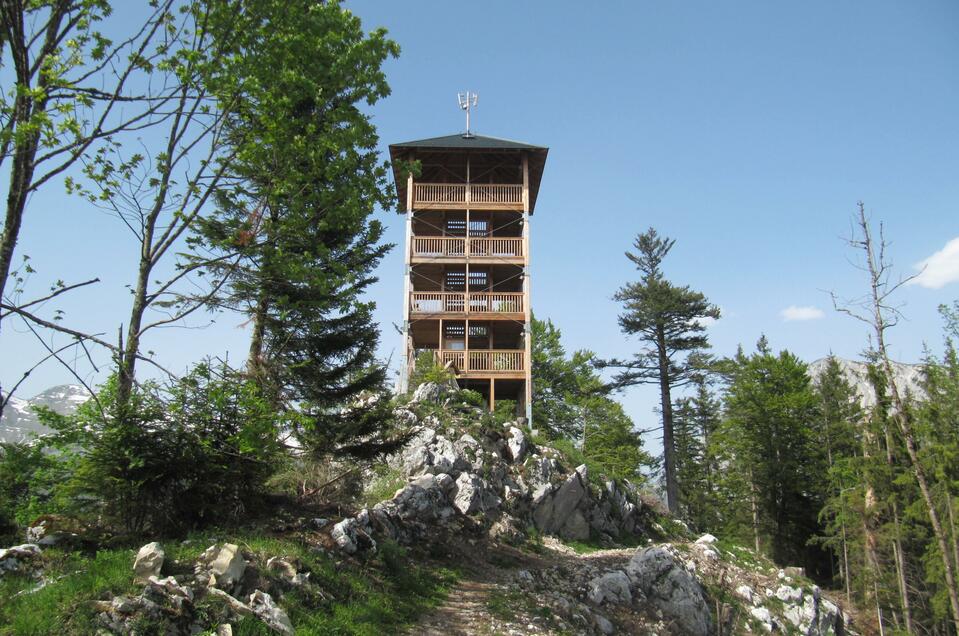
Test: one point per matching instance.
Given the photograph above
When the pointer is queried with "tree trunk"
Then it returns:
(254, 363)
(126, 375)
(755, 510)
(669, 449)
(897, 548)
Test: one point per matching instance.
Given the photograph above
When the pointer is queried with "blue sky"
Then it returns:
(747, 131)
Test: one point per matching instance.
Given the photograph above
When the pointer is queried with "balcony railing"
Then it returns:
(458, 302)
(486, 361)
(455, 195)
(494, 247)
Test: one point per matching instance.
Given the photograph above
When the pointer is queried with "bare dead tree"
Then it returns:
(878, 310)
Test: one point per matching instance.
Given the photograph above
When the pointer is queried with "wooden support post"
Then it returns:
(406, 364)
(492, 394)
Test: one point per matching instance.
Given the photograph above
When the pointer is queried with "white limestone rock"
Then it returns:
(270, 613)
(612, 587)
(148, 561)
(663, 579)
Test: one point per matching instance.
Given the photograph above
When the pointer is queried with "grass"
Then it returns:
(382, 595)
(383, 486)
(63, 605)
(590, 546)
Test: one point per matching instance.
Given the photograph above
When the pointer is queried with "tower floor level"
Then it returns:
(466, 282)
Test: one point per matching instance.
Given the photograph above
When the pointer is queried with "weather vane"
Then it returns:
(467, 102)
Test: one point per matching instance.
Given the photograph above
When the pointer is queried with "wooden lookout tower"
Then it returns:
(466, 281)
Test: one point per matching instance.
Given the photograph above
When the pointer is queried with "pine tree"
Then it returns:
(670, 320)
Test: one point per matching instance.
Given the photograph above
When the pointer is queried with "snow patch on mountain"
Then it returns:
(19, 422)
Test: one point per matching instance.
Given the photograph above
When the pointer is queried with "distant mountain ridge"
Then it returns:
(908, 377)
(19, 422)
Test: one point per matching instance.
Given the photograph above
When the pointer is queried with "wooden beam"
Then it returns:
(492, 394)
(407, 294)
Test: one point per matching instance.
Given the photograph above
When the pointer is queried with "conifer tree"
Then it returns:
(670, 320)
(778, 464)
(839, 419)
(296, 239)
(696, 419)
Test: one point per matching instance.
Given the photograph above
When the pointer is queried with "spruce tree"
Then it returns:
(696, 419)
(772, 455)
(297, 242)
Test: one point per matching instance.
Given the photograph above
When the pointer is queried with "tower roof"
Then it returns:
(460, 144)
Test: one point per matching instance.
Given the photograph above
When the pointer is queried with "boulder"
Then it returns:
(553, 513)
(661, 577)
(148, 562)
(267, 611)
(706, 539)
(612, 587)
(745, 593)
(789, 595)
(811, 614)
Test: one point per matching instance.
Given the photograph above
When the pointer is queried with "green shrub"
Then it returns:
(196, 451)
(472, 398)
(28, 479)
(428, 369)
(504, 411)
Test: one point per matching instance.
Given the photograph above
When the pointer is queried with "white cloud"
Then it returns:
(940, 269)
(794, 312)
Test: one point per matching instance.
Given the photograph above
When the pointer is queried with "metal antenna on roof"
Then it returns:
(467, 101)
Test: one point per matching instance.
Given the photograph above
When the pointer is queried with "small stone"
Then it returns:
(706, 539)
(148, 562)
(603, 624)
(228, 567)
(745, 592)
(267, 611)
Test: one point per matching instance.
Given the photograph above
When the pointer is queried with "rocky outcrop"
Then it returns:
(660, 575)
(492, 475)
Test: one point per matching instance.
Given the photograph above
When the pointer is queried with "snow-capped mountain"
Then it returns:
(908, 378)
(19, 422)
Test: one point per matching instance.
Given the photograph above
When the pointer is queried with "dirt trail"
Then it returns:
(487, 602)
